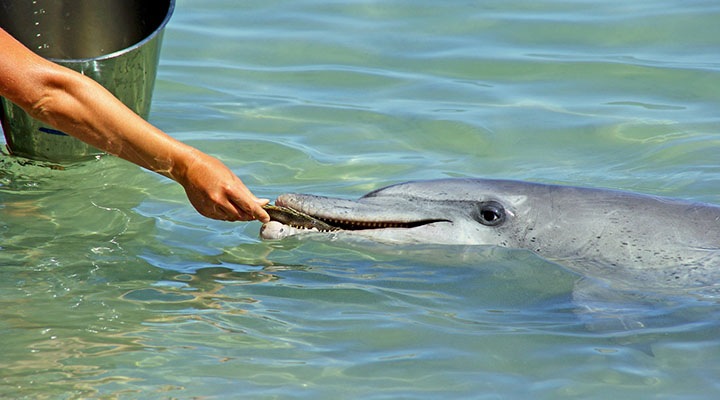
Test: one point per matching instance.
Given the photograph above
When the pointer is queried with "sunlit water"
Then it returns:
(111, 286)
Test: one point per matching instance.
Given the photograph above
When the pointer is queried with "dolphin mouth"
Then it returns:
(297, 219)
(328, 219)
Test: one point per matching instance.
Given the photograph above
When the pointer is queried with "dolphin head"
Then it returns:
(606, 234)
(450, 211)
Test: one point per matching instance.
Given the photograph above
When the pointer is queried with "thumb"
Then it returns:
(258, 212)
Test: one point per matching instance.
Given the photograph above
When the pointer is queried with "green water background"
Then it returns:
(111, 286)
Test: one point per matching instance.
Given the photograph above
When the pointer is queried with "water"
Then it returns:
(112, 286)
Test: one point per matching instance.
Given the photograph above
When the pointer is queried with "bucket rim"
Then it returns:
(146, 39)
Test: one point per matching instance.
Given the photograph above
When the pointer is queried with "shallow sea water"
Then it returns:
(111, 286)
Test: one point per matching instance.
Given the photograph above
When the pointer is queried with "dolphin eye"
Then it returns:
(490, 213)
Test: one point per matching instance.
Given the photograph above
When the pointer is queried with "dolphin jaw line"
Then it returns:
(359, 225)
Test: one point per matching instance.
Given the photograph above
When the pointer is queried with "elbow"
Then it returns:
(51, 99)
(41, 106)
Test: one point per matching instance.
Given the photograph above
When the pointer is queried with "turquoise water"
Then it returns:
(111, 286)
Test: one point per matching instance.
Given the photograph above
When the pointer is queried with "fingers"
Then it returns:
(223, 206)
(259, 213)
(216, 192)
(244, 209)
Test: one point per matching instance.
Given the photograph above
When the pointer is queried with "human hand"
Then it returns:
(216, 192)
(76, 104)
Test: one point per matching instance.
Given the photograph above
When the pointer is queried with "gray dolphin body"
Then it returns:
(641, 240)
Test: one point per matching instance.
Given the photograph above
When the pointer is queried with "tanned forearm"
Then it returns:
(89, 112)
(86, 110)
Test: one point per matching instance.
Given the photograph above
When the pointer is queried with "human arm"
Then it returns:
(84, 109)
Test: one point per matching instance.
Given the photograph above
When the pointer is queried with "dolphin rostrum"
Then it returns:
(641, 240)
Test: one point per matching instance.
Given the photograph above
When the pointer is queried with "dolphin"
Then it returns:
(632, 240)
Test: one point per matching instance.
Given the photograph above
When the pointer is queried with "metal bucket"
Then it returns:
(115, 42)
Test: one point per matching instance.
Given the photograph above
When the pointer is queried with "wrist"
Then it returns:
(182, 163)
